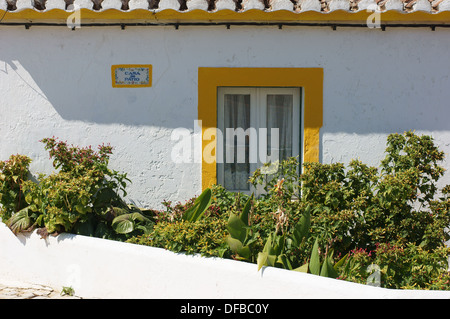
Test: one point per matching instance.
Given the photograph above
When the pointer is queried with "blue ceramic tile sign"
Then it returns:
(131, 75)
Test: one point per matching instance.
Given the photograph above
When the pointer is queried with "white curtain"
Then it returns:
(279, 115)
(236, 116)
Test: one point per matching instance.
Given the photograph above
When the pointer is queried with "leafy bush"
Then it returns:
(195, 227)
(83, 197)
(400, 266)
(205, 237)
(361, 209)
(330, 220)
(12, 173)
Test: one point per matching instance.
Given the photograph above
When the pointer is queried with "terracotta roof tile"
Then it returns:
(295, 6)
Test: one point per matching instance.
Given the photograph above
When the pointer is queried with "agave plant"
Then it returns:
(274, 252)
(325, 268)
(201, 204)
(241, 236)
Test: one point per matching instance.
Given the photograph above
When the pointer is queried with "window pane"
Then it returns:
(236, 149)
(280, 115)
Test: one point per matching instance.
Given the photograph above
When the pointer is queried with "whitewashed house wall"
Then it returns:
(57, 82)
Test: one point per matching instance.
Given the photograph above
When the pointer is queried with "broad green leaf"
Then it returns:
(201, 204)
(324, 270)
(282, 259)
(303, 268)
(262, 259)
(117, 211)
(246, 211)
(19, 221)
(139, 217)
(123, 224)
(237, 228)
(145, 228)
(268, 245)
(328, 269)
(314, 263)
(340, 262)
(244, 252)
(234, 244)
(278, 248)
(271, 260)
(301, 230)
(238, 248)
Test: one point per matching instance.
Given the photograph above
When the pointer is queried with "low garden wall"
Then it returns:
(99, 268)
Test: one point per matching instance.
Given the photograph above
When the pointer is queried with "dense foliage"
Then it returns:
(383, 225)
(12, 172)
(82, 196)
(343, 222)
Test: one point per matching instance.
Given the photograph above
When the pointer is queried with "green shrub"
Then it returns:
(13, 172)
(392, 218)
(82, 197)
(361, 208)
(400, 266)
(205, 237)
(205, 234)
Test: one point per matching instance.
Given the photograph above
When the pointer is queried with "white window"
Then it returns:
(258, 125)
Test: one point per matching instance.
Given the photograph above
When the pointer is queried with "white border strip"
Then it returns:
(99, 268)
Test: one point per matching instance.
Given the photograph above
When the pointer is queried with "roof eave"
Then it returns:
(202, 17)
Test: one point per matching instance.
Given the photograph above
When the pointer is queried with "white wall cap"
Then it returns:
(394, 5)
(169, 4)
(422, 5)
(339, 5)
(367, 5)
(282, 5)
(111, 4)
(55, 4)
(444, 6)
(252, 4)
(24, 4)
(310, 5)
(138, 4)
(225, 4)
(87, 4)
(3, 5)
(197, 4)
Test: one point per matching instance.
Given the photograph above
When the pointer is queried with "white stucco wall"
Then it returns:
(57, 82)
(100, 268)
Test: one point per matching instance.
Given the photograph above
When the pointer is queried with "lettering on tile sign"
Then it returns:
(131, 75)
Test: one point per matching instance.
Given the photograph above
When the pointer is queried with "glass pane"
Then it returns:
(236, 149)
(280, 116)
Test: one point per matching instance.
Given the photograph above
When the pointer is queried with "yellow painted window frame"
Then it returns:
(310, 79)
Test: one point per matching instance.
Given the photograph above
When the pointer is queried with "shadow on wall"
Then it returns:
(361, 94)
(74, 74)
